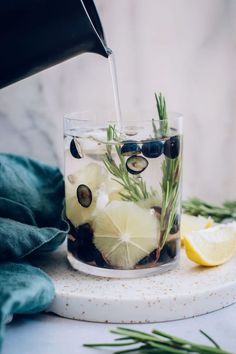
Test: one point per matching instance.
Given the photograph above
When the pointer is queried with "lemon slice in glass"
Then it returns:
(95, 177)
(92, 175)
(211, 247)
(191, 223)
(125, 233)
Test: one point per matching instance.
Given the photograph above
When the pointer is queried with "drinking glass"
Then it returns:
(123, 194)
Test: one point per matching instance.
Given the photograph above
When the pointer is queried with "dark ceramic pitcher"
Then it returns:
(36, 34)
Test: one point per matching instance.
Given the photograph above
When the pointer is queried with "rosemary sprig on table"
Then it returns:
(171, 173)
(157, 342)
(195, 206)
(135, 188)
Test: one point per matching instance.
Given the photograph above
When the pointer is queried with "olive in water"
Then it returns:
(169, 251)
(172, 147)
(130, 148)
(176, 225)
(81, 245)
(173, 248)
(84, 195)
(74, 149)
(136, 164)
(152, 149)
(148, 259)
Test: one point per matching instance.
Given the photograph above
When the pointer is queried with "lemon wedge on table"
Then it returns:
(213, 246)
(191, 223)
(125, 233)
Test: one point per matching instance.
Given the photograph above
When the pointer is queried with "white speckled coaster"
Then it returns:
(187, 291)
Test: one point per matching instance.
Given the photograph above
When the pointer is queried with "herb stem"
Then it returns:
(171, 174)
(196, 206)
(135, 188)
(158, 342)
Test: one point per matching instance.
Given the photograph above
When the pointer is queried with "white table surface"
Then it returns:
(50, 334)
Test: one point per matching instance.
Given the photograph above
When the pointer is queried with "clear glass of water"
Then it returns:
(123, 194)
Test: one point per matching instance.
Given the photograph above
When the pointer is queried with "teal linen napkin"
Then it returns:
(23, 289)
(31, 223)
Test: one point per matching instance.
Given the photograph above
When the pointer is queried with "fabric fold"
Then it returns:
(31, 224)
(23, 289)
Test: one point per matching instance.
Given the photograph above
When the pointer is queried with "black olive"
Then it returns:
(74, 150)
(176, 225)
(172, 147)
(130, 148)
(84, 195)
(81, 245)
(98, 258)
(81, 242)
(169, 251)
(136, 164)
(84, 234)
(152, 149)
(173, 248)
(71, 245)
(164, 256)
(148, 259)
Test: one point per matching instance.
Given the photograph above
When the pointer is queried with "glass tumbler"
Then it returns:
(123, 195)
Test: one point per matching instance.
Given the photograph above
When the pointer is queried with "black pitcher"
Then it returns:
(36, 34)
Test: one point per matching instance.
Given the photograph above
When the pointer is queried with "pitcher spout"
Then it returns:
(37, 34)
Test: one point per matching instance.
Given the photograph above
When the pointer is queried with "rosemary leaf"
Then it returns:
(163, 118)
(158, 342)
(171, 173)
(210, 339)
(135, 189)
(196, 206)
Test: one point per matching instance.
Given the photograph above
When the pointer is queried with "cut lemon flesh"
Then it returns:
(191, 223)
(103, 188)
(77, 214)
(125, 233)
(213, 246)
(92, 175)
(95, 177)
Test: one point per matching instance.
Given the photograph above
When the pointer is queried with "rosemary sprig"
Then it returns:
(171, 170)
(163, 118)
(135, 188)
(157, 342)
(171, 174)
(195, 206)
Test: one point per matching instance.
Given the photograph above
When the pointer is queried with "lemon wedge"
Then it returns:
(191, 223)
(125, 233)
(213, 246)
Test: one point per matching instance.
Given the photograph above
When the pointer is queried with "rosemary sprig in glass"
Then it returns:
(163, 131)
(171, 174)
(135, 188)
(157, 342)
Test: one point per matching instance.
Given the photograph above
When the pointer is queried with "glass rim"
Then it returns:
(77, 117)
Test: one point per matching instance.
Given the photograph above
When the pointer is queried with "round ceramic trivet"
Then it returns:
(187, 291)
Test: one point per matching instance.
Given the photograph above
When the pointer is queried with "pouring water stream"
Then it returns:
(112, 66)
